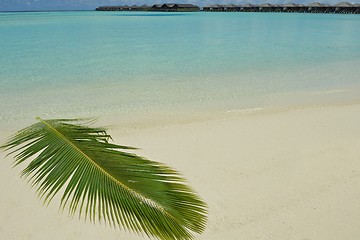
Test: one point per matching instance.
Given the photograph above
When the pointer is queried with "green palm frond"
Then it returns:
(102, 182)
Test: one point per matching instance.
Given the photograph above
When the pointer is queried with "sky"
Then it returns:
(35, 5)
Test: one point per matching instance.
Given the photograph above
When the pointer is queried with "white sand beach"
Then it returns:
(277, 175)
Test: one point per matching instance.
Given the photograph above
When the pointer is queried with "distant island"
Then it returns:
(315, 7)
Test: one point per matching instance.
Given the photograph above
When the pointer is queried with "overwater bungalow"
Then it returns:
(267, 7)
(344, 7)
(188, 7)
(134, 8)
(144, 7)
(317, 7)
(210, 8)
(230, 8)
(277, 8)
(125, 8)
(167, 7)
(291, 7)
(221, 8)
(156, 7)
(303, 8)
(249, 7)
(214, 8)
(357, 8)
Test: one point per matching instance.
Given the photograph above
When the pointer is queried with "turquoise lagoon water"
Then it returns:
(82, 64)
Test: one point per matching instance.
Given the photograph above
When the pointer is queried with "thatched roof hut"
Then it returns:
(156, 6)
(290, 4)
(186, 7)
(217, 8)
(266, 7)
(230, 7)
(212, 7)
(291, 7)
(207, 8)
(247, 7)
(316, 4)
(144, 7)
(168, 5)
(317, 7)
(345, 7)
(343, 4)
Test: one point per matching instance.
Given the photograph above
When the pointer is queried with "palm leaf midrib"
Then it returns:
(107, 181)
(133, 192)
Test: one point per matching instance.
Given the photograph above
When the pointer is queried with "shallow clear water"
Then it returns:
(95, 63)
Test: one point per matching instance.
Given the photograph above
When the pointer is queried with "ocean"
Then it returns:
(134, 65)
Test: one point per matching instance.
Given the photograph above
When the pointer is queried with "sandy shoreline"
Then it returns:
(285, 175)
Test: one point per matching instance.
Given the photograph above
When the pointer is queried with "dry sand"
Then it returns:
(281, 175)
